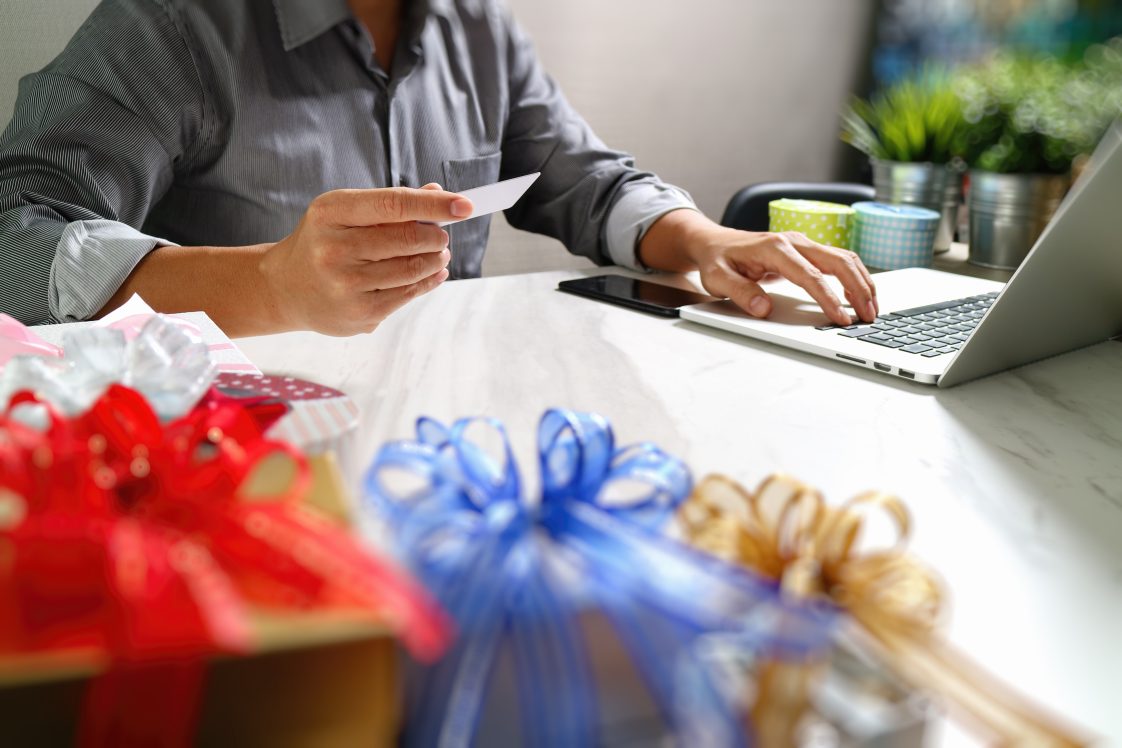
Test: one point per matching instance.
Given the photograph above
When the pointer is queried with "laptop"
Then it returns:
(943, 329)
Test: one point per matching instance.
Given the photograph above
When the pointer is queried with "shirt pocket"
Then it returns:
(468, 239)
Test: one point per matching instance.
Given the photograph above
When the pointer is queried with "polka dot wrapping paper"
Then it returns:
(319, 417)
(890, 237)
(825, 223)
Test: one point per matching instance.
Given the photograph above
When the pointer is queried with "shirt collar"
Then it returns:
(301, 21)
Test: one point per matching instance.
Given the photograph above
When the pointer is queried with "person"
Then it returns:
(261, 161)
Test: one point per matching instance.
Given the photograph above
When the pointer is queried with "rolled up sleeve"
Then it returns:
(92, 260)
(636, 209)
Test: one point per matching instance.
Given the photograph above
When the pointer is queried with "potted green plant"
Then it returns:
(1028, 119)
(912, 133)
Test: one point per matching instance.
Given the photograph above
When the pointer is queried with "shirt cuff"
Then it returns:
(634, 212)
(92, 261)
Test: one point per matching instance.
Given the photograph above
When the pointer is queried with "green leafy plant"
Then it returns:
(1036, 114)
(919, 119)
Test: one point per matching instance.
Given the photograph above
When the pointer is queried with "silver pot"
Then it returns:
(1008, 212)
(927, 185)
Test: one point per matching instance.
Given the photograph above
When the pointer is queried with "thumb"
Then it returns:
(743, 292)
(433, 186)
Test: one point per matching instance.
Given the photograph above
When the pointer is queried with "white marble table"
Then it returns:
(1015, 481)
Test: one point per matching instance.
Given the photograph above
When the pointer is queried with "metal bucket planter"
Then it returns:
(1008, 212)
(931, 186)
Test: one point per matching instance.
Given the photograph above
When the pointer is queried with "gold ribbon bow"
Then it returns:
(785, 531)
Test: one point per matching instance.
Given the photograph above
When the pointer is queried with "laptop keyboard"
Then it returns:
(928, 331)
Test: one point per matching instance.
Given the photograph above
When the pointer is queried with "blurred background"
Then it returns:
(713, 94)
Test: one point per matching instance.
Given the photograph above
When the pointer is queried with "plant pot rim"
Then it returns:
(1035, 174)
(944, 164)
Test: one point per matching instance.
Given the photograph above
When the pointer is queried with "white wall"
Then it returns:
(32, 33)
(710, 94)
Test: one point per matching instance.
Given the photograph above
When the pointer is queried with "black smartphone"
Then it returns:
(644, 296)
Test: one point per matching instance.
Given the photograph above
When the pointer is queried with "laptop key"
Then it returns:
(887, 342)
(929, 308)
(916, 348)
(932, 353)
(907, 340)
(858, 332)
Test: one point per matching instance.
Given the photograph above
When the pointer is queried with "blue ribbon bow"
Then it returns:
(506, 569)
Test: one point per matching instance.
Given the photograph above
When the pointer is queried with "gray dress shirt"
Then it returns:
(216, 122)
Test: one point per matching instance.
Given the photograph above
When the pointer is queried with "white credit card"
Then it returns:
(495, 197)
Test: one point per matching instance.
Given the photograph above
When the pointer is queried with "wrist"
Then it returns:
(681, 241)
(276, 314)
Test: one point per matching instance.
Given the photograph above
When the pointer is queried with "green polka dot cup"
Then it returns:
(825, 223)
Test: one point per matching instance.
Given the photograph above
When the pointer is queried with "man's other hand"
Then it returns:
(732, 262)
(359, 255)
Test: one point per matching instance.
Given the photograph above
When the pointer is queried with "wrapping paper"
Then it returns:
(319, 419)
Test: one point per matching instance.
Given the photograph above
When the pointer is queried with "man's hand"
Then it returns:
(358, 255)
(732, 262)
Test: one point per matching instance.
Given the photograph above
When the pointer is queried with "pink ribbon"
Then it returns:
(17, 340)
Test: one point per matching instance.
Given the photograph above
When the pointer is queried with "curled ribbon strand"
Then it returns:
(508, 569)
(785, 531)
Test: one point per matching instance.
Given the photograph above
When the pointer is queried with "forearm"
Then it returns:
(674, 241)
(225, 282)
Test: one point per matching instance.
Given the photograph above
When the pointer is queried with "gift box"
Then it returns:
(310, 679)
(129, 319)
(174, 360)
(841, 699)
(875, 687)
(577, 616)
(320, 420)
(164, 583)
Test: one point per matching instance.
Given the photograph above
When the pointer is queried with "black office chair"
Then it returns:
(747, 209)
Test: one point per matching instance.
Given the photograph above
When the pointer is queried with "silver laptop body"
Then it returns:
(1067, 294)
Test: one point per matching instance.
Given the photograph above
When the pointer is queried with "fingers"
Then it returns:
(722, 280)
(374, 243)
(386, 302)
(398, 272)
(432, 186)
(346, 208)
(848, 268)
(797, 269)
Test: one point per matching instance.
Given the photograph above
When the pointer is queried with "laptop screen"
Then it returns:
(1109, 143)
